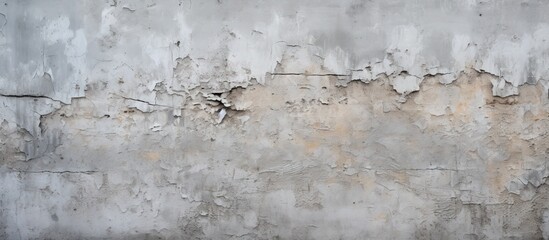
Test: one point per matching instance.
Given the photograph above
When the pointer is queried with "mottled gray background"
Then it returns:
(218, 119)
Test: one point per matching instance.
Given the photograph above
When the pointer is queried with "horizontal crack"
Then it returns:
(143, 101)
(410, 169)
(59, 172)
(309, 74)
(26, 96)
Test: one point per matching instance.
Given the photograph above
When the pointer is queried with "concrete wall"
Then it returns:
(218, 119)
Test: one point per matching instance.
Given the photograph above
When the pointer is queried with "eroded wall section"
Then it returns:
(384, 119)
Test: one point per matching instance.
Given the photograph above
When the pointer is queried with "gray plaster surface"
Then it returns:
(219, 119)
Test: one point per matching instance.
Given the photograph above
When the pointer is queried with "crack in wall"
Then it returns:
(27, 96)
(56, 172)
(264, 125)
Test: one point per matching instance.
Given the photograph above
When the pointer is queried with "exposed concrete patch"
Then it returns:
(334, 120)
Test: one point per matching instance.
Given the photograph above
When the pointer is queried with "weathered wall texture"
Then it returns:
(217, 119)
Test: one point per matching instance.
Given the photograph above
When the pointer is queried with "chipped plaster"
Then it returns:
(281, 119)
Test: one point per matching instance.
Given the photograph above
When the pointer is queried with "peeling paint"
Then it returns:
(280, 120)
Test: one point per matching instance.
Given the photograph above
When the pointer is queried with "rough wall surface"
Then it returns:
(217, 119)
